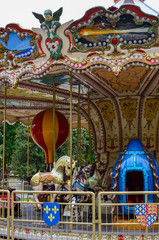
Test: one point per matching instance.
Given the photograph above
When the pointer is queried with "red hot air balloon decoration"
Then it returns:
(42, 132)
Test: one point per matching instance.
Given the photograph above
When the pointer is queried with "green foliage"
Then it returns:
(20, 153)
(16, 150)
(9, 141)
(85, 158)
(16, 147)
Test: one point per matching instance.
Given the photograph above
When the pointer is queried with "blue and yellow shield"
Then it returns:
(51, 213)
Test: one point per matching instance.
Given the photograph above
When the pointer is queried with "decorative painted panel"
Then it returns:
(100, 27)
(17, 44)
(128, 80)
(150, 123)
(62, 81)
(112, 135)
(129, 118)
(99, 128)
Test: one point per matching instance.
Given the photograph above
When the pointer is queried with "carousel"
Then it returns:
(100, 73)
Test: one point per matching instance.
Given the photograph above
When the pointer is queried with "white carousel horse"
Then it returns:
(55, 177)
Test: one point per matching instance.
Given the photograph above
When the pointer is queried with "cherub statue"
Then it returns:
(49, 16)
(50, 23)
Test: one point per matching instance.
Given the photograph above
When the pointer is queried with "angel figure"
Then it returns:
(50, 23)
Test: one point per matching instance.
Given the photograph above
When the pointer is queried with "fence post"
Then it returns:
(12, 214)
(146, 227)
(99, 217)
(8, 214)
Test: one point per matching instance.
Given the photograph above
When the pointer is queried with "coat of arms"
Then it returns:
(51, 213)
(146, 214)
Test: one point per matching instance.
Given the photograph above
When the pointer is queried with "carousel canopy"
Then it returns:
(140, 3)
(112, 54)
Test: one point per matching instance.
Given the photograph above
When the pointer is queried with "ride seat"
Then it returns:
(134, 198)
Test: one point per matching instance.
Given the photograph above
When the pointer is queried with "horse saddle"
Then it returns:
(46, 177)
(93, 182)
(80, 185)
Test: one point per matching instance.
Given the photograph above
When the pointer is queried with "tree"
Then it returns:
(9, 142)
(85, 158)
(19, 155)
(16, 150)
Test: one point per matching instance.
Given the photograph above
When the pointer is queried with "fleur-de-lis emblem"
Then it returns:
(47, 209)
(51, 213)
(51, 217)
(55, 209)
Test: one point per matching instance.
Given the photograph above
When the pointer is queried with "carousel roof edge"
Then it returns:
(74, 46)
(143, 6)
(11, 120)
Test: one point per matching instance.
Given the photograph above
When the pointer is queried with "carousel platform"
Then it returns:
(131, 223)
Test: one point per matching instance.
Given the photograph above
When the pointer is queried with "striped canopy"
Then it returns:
(140, 3)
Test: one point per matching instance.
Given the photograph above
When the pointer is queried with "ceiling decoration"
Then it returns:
(128, 80)
(116, 64)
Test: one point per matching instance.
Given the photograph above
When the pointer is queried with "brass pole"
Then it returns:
(89, 128)
(4, 141)
(146, 196)
(28, 152)
(68, 143)
(4, 133)
(78, 131)
(71, 146)
(71, 129)
(54, 128)
(51, 227)
(80, 163)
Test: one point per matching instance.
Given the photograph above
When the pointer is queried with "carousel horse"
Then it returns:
(80, 182)
(80, 185)
(56, 177)
(89, 178)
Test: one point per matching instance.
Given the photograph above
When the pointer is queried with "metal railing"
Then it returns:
(5, 207)
(119, 218)
(100, 218)
(74, 223)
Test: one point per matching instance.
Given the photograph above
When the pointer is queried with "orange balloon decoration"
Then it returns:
(42, 131)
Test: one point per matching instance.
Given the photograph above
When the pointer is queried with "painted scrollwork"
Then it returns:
(151, 108)
(129, 107)
(107, 110)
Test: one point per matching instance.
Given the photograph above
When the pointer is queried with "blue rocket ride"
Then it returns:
(135, 170)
